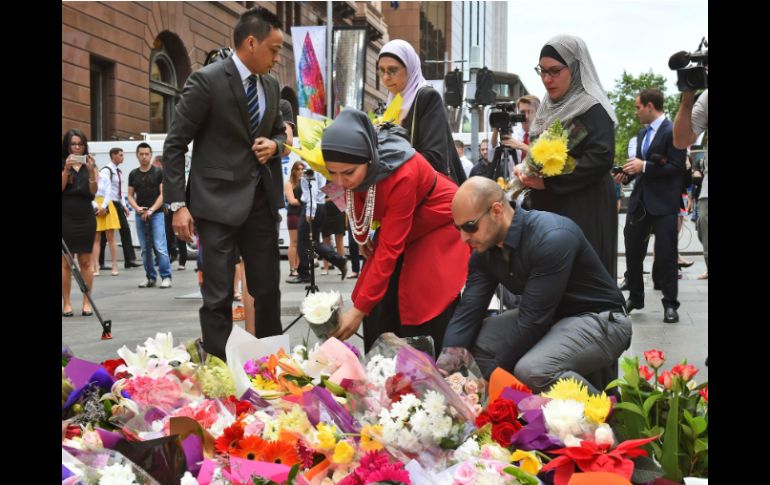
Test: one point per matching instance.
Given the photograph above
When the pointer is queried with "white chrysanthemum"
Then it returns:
(318, 307)
(564, 417)
(379, 368)
(162, 347)
(117, 474)
(466, 451)
(390, 431)
(434, 403)
(410, 400)
(407, 440)
(441, 427)
(421, 424)
(401, 410)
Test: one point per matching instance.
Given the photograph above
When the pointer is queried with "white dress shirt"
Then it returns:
(319, 197)
(244, 72)
(104, 189)
(655, 125)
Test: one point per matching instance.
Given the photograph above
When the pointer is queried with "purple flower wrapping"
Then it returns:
(319, 399)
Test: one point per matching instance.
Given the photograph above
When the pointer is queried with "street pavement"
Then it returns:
(138, 313)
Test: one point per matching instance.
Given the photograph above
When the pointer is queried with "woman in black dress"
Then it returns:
(78, 222)
(423, 114)
(576, 97)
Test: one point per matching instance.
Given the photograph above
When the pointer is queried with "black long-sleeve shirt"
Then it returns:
(554, 269)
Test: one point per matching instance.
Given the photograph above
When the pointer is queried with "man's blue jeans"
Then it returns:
(158, 231)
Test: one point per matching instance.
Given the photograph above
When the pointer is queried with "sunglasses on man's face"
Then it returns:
(472, 226)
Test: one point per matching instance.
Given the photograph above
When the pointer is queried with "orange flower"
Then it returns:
(228, 442)
(279, 452)
(251, 448)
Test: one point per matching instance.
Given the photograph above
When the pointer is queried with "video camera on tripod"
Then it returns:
(693, 77)
(504, 116)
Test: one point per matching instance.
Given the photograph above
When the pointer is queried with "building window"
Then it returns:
(163, 91)
(433, 44)
(101, 74)
(289, 14)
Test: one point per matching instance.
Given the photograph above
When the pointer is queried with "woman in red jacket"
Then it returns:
(400, 210)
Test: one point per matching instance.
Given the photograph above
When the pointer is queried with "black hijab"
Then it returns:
(352, 138)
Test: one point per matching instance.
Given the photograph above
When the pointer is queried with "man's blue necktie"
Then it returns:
(646, 144)
(253, 104)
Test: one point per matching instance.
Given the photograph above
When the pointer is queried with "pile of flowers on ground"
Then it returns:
(327, 415)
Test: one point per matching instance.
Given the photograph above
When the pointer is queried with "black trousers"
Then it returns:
(639, 227)
(125, 237)
(385, 317)
(355, 256)
(257, 239)
(303, 242)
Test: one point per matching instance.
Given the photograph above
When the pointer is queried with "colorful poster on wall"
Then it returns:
(310, 64)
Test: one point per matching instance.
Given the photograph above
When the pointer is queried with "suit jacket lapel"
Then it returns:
(240, 94)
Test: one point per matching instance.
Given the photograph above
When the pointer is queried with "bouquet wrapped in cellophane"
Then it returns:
(412, 410)
(549, 155)
(322, 312)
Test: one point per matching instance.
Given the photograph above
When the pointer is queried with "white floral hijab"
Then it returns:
(584, 92)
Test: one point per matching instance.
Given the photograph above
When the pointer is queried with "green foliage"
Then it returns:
(677, 416)
(523, 477)
(622, 98)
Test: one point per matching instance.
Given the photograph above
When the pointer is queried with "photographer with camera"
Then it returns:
(692, 120)
(527, 106)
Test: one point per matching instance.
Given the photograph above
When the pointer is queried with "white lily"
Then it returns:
(162, 347)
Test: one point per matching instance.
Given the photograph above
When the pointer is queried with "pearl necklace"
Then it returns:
(360, 227)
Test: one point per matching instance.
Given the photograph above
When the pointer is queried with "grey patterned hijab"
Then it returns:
(584, 91)
(353, 134)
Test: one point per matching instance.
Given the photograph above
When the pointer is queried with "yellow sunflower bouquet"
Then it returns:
(547, 157)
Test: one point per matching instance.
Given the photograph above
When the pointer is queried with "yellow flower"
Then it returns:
(343, 453)
(568, 389)
(530, 463)
(326, 436)
(262, 384)
(370, 438)
(550, 154)
(392, 111)
(597, 408)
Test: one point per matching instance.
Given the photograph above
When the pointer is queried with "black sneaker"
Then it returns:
(131, 264)
(148, 283)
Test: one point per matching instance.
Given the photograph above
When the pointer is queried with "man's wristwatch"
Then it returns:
(175, 206)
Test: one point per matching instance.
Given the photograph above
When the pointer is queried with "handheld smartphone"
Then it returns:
(79, 159)
(616, 170)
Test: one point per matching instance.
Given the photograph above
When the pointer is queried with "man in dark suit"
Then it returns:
(658, 169)
(229, 110)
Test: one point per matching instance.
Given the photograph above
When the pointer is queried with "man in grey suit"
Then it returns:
(229, 109)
